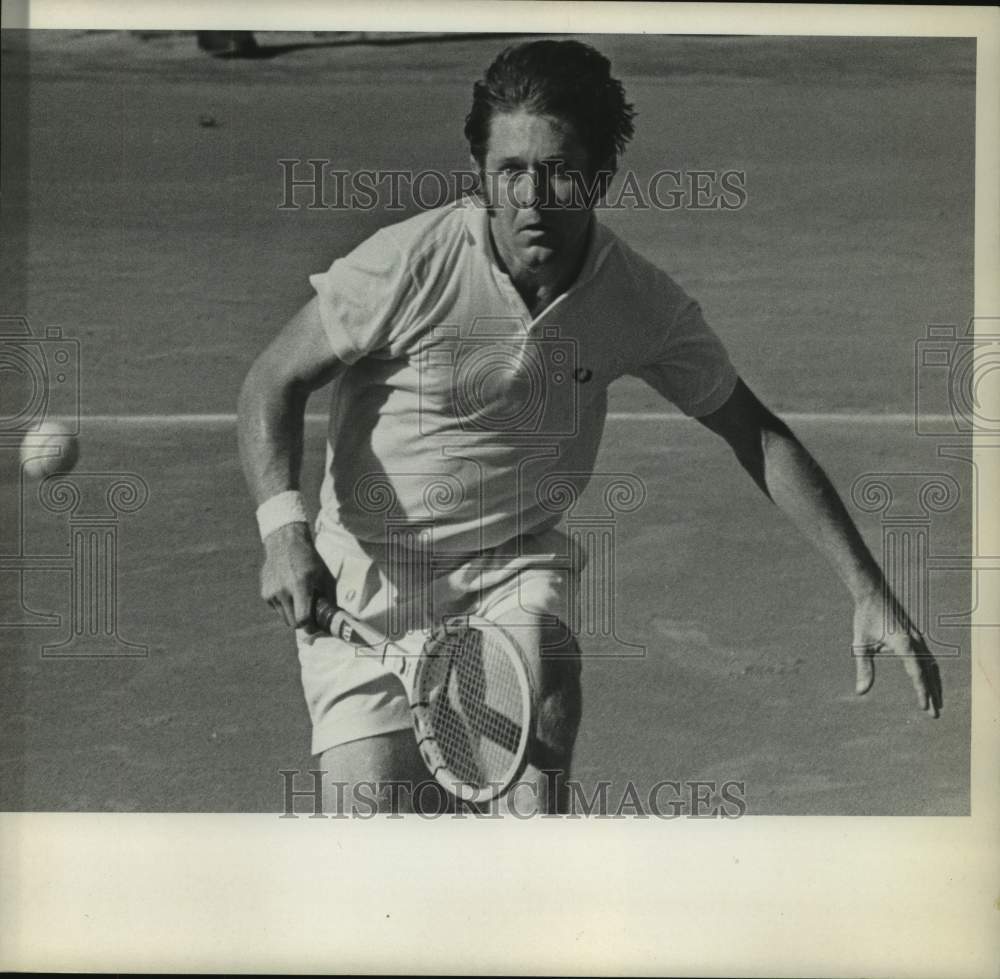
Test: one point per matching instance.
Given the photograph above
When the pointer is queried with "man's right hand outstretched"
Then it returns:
(293, 574)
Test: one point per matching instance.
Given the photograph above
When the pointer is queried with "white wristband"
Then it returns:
(280, 509)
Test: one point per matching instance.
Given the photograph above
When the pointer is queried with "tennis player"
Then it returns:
(471, 348)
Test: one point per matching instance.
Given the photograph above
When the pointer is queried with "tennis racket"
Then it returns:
(470, 694)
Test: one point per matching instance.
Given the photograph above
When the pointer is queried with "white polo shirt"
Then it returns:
(461, 417)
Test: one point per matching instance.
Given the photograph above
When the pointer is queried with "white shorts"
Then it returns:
(524, 584)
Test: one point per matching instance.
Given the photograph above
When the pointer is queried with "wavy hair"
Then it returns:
(565, 79)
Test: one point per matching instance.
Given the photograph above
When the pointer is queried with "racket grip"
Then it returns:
(335, 621)
(323, 613)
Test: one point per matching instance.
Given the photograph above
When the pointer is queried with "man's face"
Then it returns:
(529, 183)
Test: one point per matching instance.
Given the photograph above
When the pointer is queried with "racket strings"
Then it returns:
(477, 708)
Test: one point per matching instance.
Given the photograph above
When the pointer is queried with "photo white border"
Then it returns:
(761, 896)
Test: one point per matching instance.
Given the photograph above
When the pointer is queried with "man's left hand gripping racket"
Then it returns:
(470, 694)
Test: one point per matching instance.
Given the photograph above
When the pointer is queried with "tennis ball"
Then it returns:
(51, 448)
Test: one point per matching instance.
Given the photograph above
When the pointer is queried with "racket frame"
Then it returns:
(400, 661)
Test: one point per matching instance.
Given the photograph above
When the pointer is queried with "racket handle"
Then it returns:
(335, 621)
(324, 612)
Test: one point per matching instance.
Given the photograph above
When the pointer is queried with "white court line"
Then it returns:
(207, 420)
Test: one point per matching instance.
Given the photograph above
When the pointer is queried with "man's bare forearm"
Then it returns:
(783, 469)
(273, 398)
(271, 424)
(796, 483)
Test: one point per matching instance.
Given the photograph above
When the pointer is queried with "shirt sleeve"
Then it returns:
(362, 297)
(689, 364)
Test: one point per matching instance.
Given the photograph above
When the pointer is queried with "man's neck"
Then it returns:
(539, 288)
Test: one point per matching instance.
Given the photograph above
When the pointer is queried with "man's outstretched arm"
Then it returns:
(271, 421)
(783, 469)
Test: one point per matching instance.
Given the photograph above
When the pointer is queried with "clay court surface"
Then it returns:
(157, 243)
